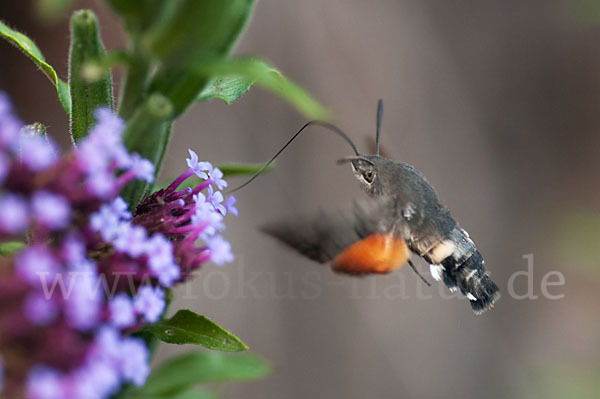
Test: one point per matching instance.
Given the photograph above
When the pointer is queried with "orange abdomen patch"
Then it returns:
(378, 253)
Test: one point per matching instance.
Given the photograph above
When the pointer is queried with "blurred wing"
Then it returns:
(359, 241)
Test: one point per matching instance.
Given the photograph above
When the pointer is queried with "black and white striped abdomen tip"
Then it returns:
(472, 280)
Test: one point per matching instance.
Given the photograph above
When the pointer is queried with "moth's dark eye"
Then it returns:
(369, 175)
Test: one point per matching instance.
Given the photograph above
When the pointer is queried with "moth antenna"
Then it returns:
(379, 117)
(326, 125)
(344, 160)
(418, 274)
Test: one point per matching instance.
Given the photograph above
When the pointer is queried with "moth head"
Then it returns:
(365, 171)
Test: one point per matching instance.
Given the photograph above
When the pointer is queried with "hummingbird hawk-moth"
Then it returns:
(402, 215)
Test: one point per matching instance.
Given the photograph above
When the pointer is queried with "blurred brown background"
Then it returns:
(496, 102)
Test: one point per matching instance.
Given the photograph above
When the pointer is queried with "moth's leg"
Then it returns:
(418, 274)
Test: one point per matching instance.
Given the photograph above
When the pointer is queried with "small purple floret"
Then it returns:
(39, 309)
(216, 176)
(73, 249)
(35, 265)
(134, 361)
(220, 250)
(44, 383)
(121, 311)
(14, 213)
(95, 380)
(143, 168)
(230, 205)
(161, 260)
(83, 302)
(107, 220)
(101, 183)
(199, 168)
(215, 198)
(50, 210)
(150, 303)
(37, 152)
(130, 239)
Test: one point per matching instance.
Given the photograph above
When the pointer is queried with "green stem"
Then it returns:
(147, 133)
(134, 88)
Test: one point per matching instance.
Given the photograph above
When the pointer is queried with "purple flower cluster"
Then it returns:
(186, 217)
(92, 271)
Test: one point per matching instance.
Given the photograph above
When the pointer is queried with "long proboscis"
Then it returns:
(326, 125)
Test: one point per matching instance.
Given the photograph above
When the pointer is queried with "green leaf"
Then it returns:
(189, 33)
(186, 327)
(28, 47)
(10, 248)
(268, 78)
(130, 391)
(242, 169)
(227, 89)
(179, 374)
(86, 95)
